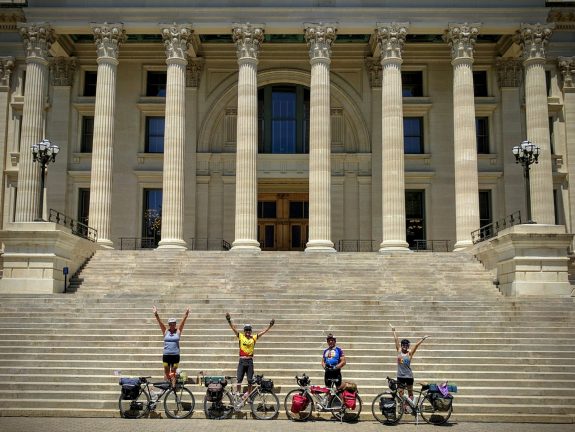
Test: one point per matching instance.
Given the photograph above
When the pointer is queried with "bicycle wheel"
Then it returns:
(220, 409)
(179, 403)
(430, 414)
(346, 414)
(383, 408)
(264, 405)
(300, 415)
(135, 408)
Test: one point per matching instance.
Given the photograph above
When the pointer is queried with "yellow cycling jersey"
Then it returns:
(247, 345)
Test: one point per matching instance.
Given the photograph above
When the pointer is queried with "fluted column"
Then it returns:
(461, 38)
(390, 38)
(6, 68)
(533, 39)
(176, 40)
(108, 38)
(567, 69)
(37, 41)
(247, 38)
(319, 38)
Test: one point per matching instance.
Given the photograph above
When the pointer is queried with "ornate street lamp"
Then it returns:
(44, 152)
(526, 154)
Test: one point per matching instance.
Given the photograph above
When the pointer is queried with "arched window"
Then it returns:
(283, 116)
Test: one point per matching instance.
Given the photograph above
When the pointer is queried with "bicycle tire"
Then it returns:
(349, 415)
(264, 405)
(219, 410)
(179, 403)
(135, 408)
(430, 414)
(302, 415)
(387, 419)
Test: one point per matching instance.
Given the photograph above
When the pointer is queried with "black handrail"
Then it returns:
(431, 246)
(136, 243)
(491, 230)
(355, 245)
(78, 228)
(208, 244)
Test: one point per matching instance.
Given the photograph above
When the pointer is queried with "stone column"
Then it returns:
(390, 38)
(319, 38)
(567, 68)
(6, 67)
(108, 38)
(248, 39)
(37, 41)
(461, 38)
(176, 40)
(533, 39)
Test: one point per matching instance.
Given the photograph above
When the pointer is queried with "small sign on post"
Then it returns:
(65, 271)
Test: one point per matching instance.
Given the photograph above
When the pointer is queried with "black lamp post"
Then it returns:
(526, 154)
(44, 152)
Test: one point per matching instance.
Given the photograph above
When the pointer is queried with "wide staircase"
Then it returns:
(512, 359)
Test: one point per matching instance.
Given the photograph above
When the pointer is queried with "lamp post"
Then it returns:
(43, 152)
(527, 154)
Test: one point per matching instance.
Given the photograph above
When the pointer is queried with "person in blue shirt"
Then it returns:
(332, 361)
(171, 353)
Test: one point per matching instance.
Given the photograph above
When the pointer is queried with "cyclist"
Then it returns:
(332, 361)
(404, 357)
(171, 353)
(247, 343)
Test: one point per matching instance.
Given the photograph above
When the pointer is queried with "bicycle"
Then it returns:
(388, 407)
(137, 400)
(322, 399)
(220, 402)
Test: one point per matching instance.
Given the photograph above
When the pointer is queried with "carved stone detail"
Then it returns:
(6, 67)
(461, 38)
(108, 38)
(319, 38)
(567, 68)
(390, 38)
(533, 39)
(373, 67)
(38, 39)
(509, 72)
(194, 72)
(248, 38)
(62, 69)
(177, 39)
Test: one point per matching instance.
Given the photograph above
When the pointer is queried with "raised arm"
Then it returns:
(162, 326)
(232, 326)
(263, 332)
(395, 337)
(185, 317)
(417, 345)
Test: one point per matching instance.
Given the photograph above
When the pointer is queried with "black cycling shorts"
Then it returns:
(245, 366)
(332, 373)
(171, 360)
(406, 381)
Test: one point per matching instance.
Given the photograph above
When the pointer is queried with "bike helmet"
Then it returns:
(330, 336)
(247, 327)
(405, 342)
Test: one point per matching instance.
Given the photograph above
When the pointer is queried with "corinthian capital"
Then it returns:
(177, 40)
(319, 38)
(461, 38)
(62, 69)
(533, 39)
(390, 38)
(509, 72)
(108, 38)
(6, 66)
(248, 38)
(38, 39)
(567, 68)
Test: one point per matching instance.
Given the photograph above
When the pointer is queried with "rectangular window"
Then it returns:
(156, 84)
(299, 210)
(90, 79)
(155, 127)
(482, 133)
(412, 83)
(413, 135)
(485, 210)
(152, 218)
(267, 209)
(480, 84)
(548, 82)
(87, 134)
(552, 135)
(83, 205)
(556, 205)
(284, 121)
(414, 216)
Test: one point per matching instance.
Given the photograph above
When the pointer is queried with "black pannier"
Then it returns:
(440, 402)
(215, 392)
(130, 388)
(267, 385)
(388, 407)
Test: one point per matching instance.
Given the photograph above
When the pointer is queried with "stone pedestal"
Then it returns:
(35, 254)
(528, 260)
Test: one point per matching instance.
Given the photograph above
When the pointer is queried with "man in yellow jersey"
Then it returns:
(247, 343)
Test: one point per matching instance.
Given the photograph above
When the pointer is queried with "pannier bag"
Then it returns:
(215, 392)
(299, 402)
(349, 399)
(267, 385)
(440, 402)
(130, 388)
(387, 406)
(349, 386)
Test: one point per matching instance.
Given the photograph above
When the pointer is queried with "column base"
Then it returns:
(319, 246)
(387, 246)
(462, 245)
(105, 243)
(245, 245)
(172, 244)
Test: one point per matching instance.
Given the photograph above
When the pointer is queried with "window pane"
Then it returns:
(296, 210)
(480, 83)
(267, 209)
(296, 236)
(152, 217)
(270, 231)
(413, 135)
(87, 134)
(283, 121)
(155, 134)
(485, 217)
(156, 84)
(415, 215)
(412, 83)
(83, 205)
(482, 132)
(90, 79)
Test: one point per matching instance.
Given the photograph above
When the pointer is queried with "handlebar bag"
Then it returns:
(267, 385)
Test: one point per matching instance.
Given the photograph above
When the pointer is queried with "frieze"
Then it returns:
(177, 40)
(509, 72)
(319, 38)
(108, 38)
(373, 67)
(533, 39)
(248, 39)
(38, 38)
(6, 67)
(62, 70)
(461, 38)
(194, 72)
(567, 68)
(564, 19)
(391, 38)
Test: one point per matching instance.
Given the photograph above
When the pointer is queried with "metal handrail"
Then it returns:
(431, 246)
(136, 243)
(491, 230)
(78, 228)
(208, 244)
(355, 245)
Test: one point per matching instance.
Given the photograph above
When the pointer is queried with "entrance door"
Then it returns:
(283, 221)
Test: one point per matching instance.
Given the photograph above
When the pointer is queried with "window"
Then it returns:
(83, 205)
(548, 82)
(299, 210)
(90, 79)
(552, 135)
(413, 135)
(485, 211)
(152, 218)
(283, 112)
(482, 133)
(412, 83)
(87, 134)
(156, 84)
(480, 84)
(414, 215)
(267, 209)
(155, 134)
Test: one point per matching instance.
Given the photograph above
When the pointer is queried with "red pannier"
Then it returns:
(299, 402)
(319, 389)
(349, 399)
